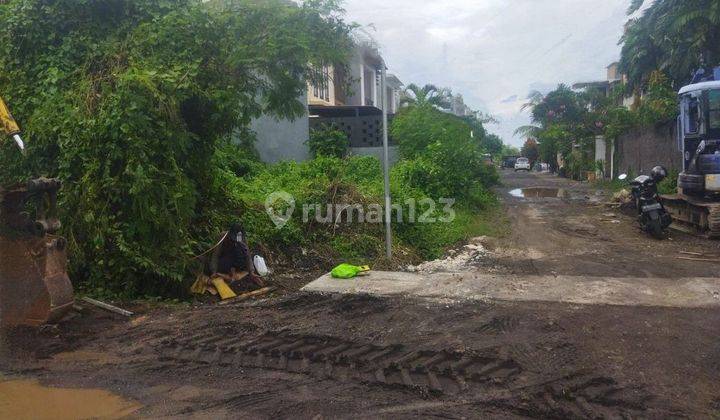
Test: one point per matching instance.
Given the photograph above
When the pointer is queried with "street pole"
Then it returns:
(386, 165)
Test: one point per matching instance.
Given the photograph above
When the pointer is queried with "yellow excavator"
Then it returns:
(34, 285)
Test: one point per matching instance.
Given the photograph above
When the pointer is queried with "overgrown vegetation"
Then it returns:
(133, 104)
(566, 122)
(662, 49)
(676, 37)
(328, 141)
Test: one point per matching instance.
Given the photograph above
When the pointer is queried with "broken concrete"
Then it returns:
(628, 291)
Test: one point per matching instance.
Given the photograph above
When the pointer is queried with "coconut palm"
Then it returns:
(528, 131)
(674, 36)
(428, 95)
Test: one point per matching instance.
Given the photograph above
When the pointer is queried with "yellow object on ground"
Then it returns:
(222, 288)
(201, 285)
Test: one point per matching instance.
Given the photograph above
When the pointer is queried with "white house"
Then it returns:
(353, 91)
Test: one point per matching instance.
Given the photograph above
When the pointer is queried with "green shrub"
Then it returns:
(328, 141)
(440, 156)
(131, 103)
(669, 184)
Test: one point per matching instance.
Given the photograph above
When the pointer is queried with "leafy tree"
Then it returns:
(492, 144)
(132, 104)
(440, 156)
(329, 141)
(530, 150)
(560, 120)
(428, 95)
(510, 151)
(673, 36)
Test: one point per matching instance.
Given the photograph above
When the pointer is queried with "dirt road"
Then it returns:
(328, 356)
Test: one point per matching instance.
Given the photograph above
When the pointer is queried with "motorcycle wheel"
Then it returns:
(655, 228)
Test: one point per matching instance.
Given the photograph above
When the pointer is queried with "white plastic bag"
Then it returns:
(260, 266)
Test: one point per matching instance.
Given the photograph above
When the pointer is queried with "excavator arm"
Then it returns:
(9, 125)
(34, 286)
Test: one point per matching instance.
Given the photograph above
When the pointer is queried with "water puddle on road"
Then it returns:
(27, 399)
(539, 193)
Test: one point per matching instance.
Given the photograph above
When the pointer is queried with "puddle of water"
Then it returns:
(27, 399)
(539, 193)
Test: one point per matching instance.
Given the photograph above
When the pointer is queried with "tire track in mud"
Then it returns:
(580, 396)
(427, 371)
(500, 381)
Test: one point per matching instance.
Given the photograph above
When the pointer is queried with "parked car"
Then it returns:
(522, 164)
(508, 162)
(542, 167)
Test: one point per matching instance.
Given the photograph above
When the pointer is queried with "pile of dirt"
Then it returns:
(457, 261)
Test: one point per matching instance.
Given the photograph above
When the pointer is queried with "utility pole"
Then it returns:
(386, 162)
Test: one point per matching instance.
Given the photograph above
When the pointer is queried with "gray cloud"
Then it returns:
(495, 52)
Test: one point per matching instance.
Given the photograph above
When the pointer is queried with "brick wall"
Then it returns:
(639, 150)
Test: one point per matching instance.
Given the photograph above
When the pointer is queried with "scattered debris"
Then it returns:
(457, 261)
(227, 264)
(245, 296)
(622, 196)
(222, 288)
(715, 260)
(108, 307)
(697, 254)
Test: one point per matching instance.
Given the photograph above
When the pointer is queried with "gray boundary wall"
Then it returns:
(641, 149)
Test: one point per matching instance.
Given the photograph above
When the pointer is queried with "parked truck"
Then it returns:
(696, 205)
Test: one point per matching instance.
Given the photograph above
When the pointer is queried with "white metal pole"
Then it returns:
(386, 162)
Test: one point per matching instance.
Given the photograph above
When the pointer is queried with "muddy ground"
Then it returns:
(312, 356)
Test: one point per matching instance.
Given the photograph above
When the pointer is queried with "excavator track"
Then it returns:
(693, 215)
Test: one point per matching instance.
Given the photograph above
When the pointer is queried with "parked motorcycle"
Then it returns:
(652, 216)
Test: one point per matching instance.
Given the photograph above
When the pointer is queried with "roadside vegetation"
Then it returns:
(661, 50)
(138, 105)
(566, 122)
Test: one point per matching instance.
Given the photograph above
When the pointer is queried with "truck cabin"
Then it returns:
(699, 119)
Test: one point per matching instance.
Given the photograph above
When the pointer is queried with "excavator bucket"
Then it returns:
(34, 285)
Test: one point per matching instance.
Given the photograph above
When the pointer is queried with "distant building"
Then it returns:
(614, 78)
(349, 97)
(458, 107)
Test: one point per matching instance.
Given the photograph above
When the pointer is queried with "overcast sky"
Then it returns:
(494, 52)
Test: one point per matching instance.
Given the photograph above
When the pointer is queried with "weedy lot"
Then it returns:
(304, 355)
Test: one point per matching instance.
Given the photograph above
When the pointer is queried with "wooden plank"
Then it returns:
(108, 307)
(699, 259)
(245, 296)
(697, 254)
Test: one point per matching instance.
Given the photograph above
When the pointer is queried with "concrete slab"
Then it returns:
(627, 291)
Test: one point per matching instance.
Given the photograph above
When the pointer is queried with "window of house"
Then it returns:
(325, 84)
(714, 109)
(321, 83)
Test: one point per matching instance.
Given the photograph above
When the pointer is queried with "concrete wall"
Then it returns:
(279, 140)
(638, 151)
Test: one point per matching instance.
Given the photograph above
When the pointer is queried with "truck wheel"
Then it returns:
(709, 164)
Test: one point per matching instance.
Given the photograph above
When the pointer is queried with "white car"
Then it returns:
(522, 164)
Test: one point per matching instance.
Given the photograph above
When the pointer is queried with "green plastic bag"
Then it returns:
(348, 271)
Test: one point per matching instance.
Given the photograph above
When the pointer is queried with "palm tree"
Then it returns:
(528, 131)
(635, 5)
(428, 95)
(673, 36)
(534, 99)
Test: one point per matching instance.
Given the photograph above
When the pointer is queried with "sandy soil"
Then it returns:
(328, 356)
